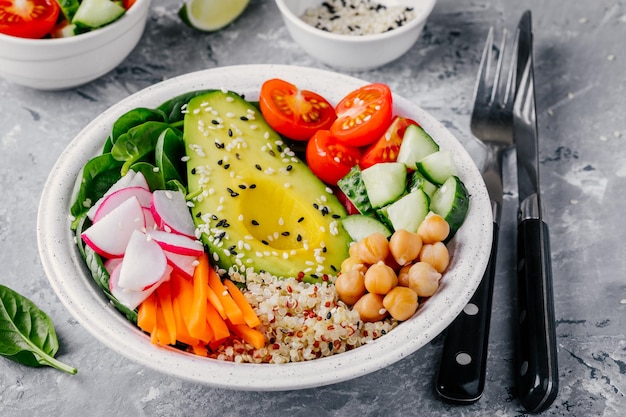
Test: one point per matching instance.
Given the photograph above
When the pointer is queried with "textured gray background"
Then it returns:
(580, 67)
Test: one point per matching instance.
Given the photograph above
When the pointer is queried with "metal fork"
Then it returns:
(461, 376)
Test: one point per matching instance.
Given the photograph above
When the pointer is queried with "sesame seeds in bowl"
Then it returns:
(355, 34)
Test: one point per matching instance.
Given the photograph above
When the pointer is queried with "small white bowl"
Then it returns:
(62, 63)
(70, 279)
(354, 52)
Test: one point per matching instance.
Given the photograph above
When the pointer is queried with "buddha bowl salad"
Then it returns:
(273, 231)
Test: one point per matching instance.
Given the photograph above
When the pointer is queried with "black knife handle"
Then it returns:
(467, 338)
(536, 372)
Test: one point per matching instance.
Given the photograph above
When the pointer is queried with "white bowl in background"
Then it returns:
(62, 63)
(354, 52)
(73, 284)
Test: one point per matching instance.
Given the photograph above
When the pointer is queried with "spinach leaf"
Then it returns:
(27, 334)
(95, 178)
(168, 154)
(135, 117)
(151, 173)
(173, 108)
(139, 142)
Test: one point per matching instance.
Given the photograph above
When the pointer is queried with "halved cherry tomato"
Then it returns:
(330, 159)
(292, 112)
(387, 147)
(28, 18)
(363, 115)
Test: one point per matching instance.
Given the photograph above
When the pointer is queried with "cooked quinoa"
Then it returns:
(357, 17)
(301, 321)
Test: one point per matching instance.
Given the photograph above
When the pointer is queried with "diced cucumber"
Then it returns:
(417, 180)
(353, 187)
(384, 182)
(409, 211)
(451, 201)
(68, 8)
(437, 167)
(359, 226)
(97, 13)
(416, 145)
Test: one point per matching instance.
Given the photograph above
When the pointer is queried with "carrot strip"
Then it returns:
(197, 321)
(249, 314)
(182, 334)
(165, 302)
(248, 334)
(199, 349)
(217, 324)
(160, 334)
(215, 301)
(146, 316)
(233, 312)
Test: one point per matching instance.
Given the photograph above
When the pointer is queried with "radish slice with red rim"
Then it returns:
(171, 212)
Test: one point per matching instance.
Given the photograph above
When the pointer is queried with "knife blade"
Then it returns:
(537, 368)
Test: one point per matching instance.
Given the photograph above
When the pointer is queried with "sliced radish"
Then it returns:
(109, 236)
(131, 298)
(131, 179)
(111, 263)
(116, 198)
(185, 264)
(179, 244)
(150, 222)
(144, 263)
(171, 212)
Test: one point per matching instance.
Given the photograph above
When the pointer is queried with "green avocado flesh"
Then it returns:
(256, 204)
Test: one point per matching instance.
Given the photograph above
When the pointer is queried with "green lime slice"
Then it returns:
(211, 15)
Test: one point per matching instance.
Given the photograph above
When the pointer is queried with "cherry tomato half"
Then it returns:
(292, 112)
(330, 159)
(363, 115)
(387, 147)
(28, 18)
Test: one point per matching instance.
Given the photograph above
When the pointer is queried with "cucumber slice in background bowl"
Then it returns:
(211, 15)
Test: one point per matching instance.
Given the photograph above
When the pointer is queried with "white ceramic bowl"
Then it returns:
(76, 289)
(354, 52)
(57, 64)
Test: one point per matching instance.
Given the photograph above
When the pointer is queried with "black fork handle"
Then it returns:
(461, 376)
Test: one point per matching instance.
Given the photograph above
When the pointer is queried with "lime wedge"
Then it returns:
(211, 15)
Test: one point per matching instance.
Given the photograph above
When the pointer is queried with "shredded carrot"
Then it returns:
(165, 303)
(249, 315)
(215, 301)
(217, 324)
(197, 324)
(248, 334)
(160, 334)
(233, 312)
(146, 316)
(182, 334)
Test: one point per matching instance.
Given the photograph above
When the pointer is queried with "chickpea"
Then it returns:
(403, 275)
(353, 263)
(353, 250)
(437, 255)
(373, 248)
(380, 278)
(405, 246)
(350, 286)
(401, 303)
(424, 279)
(433, 229)
(370, 307)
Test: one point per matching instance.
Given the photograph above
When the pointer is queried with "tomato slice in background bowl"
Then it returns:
(329, 159)
(32, 19)
(294, 113)
(387, 147)
(363, 115)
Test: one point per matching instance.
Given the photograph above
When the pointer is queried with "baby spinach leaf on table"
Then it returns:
(139, 142)
(173, 108)
(27, 334)
(168, 155)
(135, 117)
(94, 179)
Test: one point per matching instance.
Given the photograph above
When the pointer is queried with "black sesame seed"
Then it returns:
(330, 345)
(299, 238)
(193, 171)
(336, 216)
(334, 268)
(230, 132)
(324, 211)
(242, 186)
(252, 186)
(220, 223)
(257, 166)
(316, 206)
(301, 219)
(279, 148)
(324, 250)
(226, 166)
(328, 315)
(285, 233)
(215, 122)
(243, 118)
(220, 162)
(254, 222)
(219, 145)
(271, 152)
(232, 249)
(289, 168)
(238, 156)
(199, 214)
(264, 242)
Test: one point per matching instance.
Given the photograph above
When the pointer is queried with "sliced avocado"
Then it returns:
(256, 204)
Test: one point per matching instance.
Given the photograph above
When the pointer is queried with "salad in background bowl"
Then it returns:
(73, 282)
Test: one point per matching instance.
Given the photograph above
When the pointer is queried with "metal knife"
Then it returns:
(536, 370)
